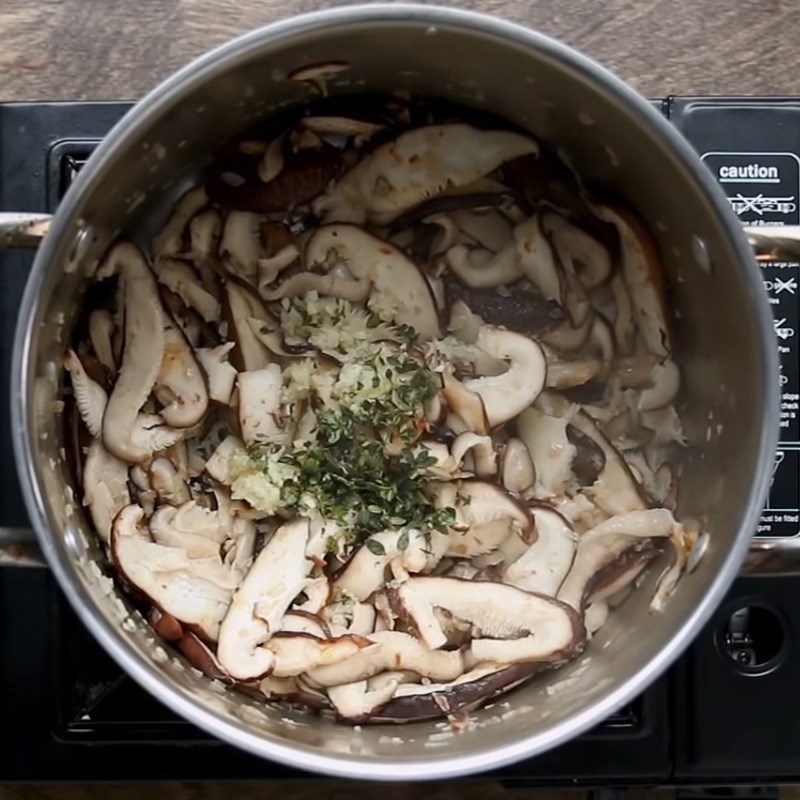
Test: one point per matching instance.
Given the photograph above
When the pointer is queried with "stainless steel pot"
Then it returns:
(724, 328)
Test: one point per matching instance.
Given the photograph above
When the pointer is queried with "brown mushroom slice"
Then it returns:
(419, 164)
(585, 256)
(364, 573)
(200, 657)
(168, 482)
(239, 304)
(481, 449)
(221, 374)
(390, 272)
(196, 591)
(666, 382)
(125, 434)
(181, 279)
(355, 702)
(568, 373)
(181, 382)
(390, 650)
(229, 453)
(485, 517)
(552, 453)
(504, 396)
(259, 403)
(621, 545)
(417, 702)
(615, 490)
(346, 126)
(355, 290)
(90, 398)
(566, 337)
(194, 529)
(277, 576)
(589, 460)
(624, 330)
(482, 269)
(544, 565)
(169, 240)
(316, 75)
(643, 275)
(517, 472)
(101, 335)
(468, 405)
(105, 487)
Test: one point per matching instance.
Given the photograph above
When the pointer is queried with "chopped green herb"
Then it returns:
(375, 547)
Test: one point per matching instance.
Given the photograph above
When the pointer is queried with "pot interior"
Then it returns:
(609, 135)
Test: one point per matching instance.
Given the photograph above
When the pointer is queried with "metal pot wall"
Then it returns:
(723, 324)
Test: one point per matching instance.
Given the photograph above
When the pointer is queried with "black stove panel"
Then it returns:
(84, 719)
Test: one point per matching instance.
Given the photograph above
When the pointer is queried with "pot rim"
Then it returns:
(146, 672)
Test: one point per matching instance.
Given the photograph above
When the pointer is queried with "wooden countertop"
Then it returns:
(115, 49)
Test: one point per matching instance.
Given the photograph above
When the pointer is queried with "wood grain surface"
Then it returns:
(113, 49)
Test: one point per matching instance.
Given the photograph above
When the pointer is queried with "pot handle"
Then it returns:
(18, 546)
(21, 230)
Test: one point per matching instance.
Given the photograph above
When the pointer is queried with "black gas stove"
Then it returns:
(727, 713)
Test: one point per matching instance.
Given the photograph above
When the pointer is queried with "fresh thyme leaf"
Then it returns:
(402, 541)
(375, 547)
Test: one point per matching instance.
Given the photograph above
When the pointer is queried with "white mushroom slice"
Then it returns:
(504, 396)
(167, 482)
(490, 229)
(665, 385)
(536, 258)
(643, 275)
(240, 246)
(482, 452)
(586, 257)
(90, 397)
(101, 334)
(124, 434)
(204, 233)
(615, 490)
(482, 269)
(544, 565)
(105, 487)
(354, 702)
(296, 621)
(414, 701)
(595, 616)
(271, 164)
(621, 545)
(416, 166)
(223, 462)
(196, 591)
(342, 125)
(221, 374)
(317, 592)
(540, 628)
(390, 272)
(355, 290)
(485, 517)
(240, 304)
(464, 323)
(551, 451)
(296, 653)
(390, 650)
(169, 241)
(259, 403)
(467, 405)
(270, 268)
(623, 319)
(277, 576)
(181, 279)
(364, 573)
(193, 528)
(568, 373)
(516, 467)
(181, 382)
